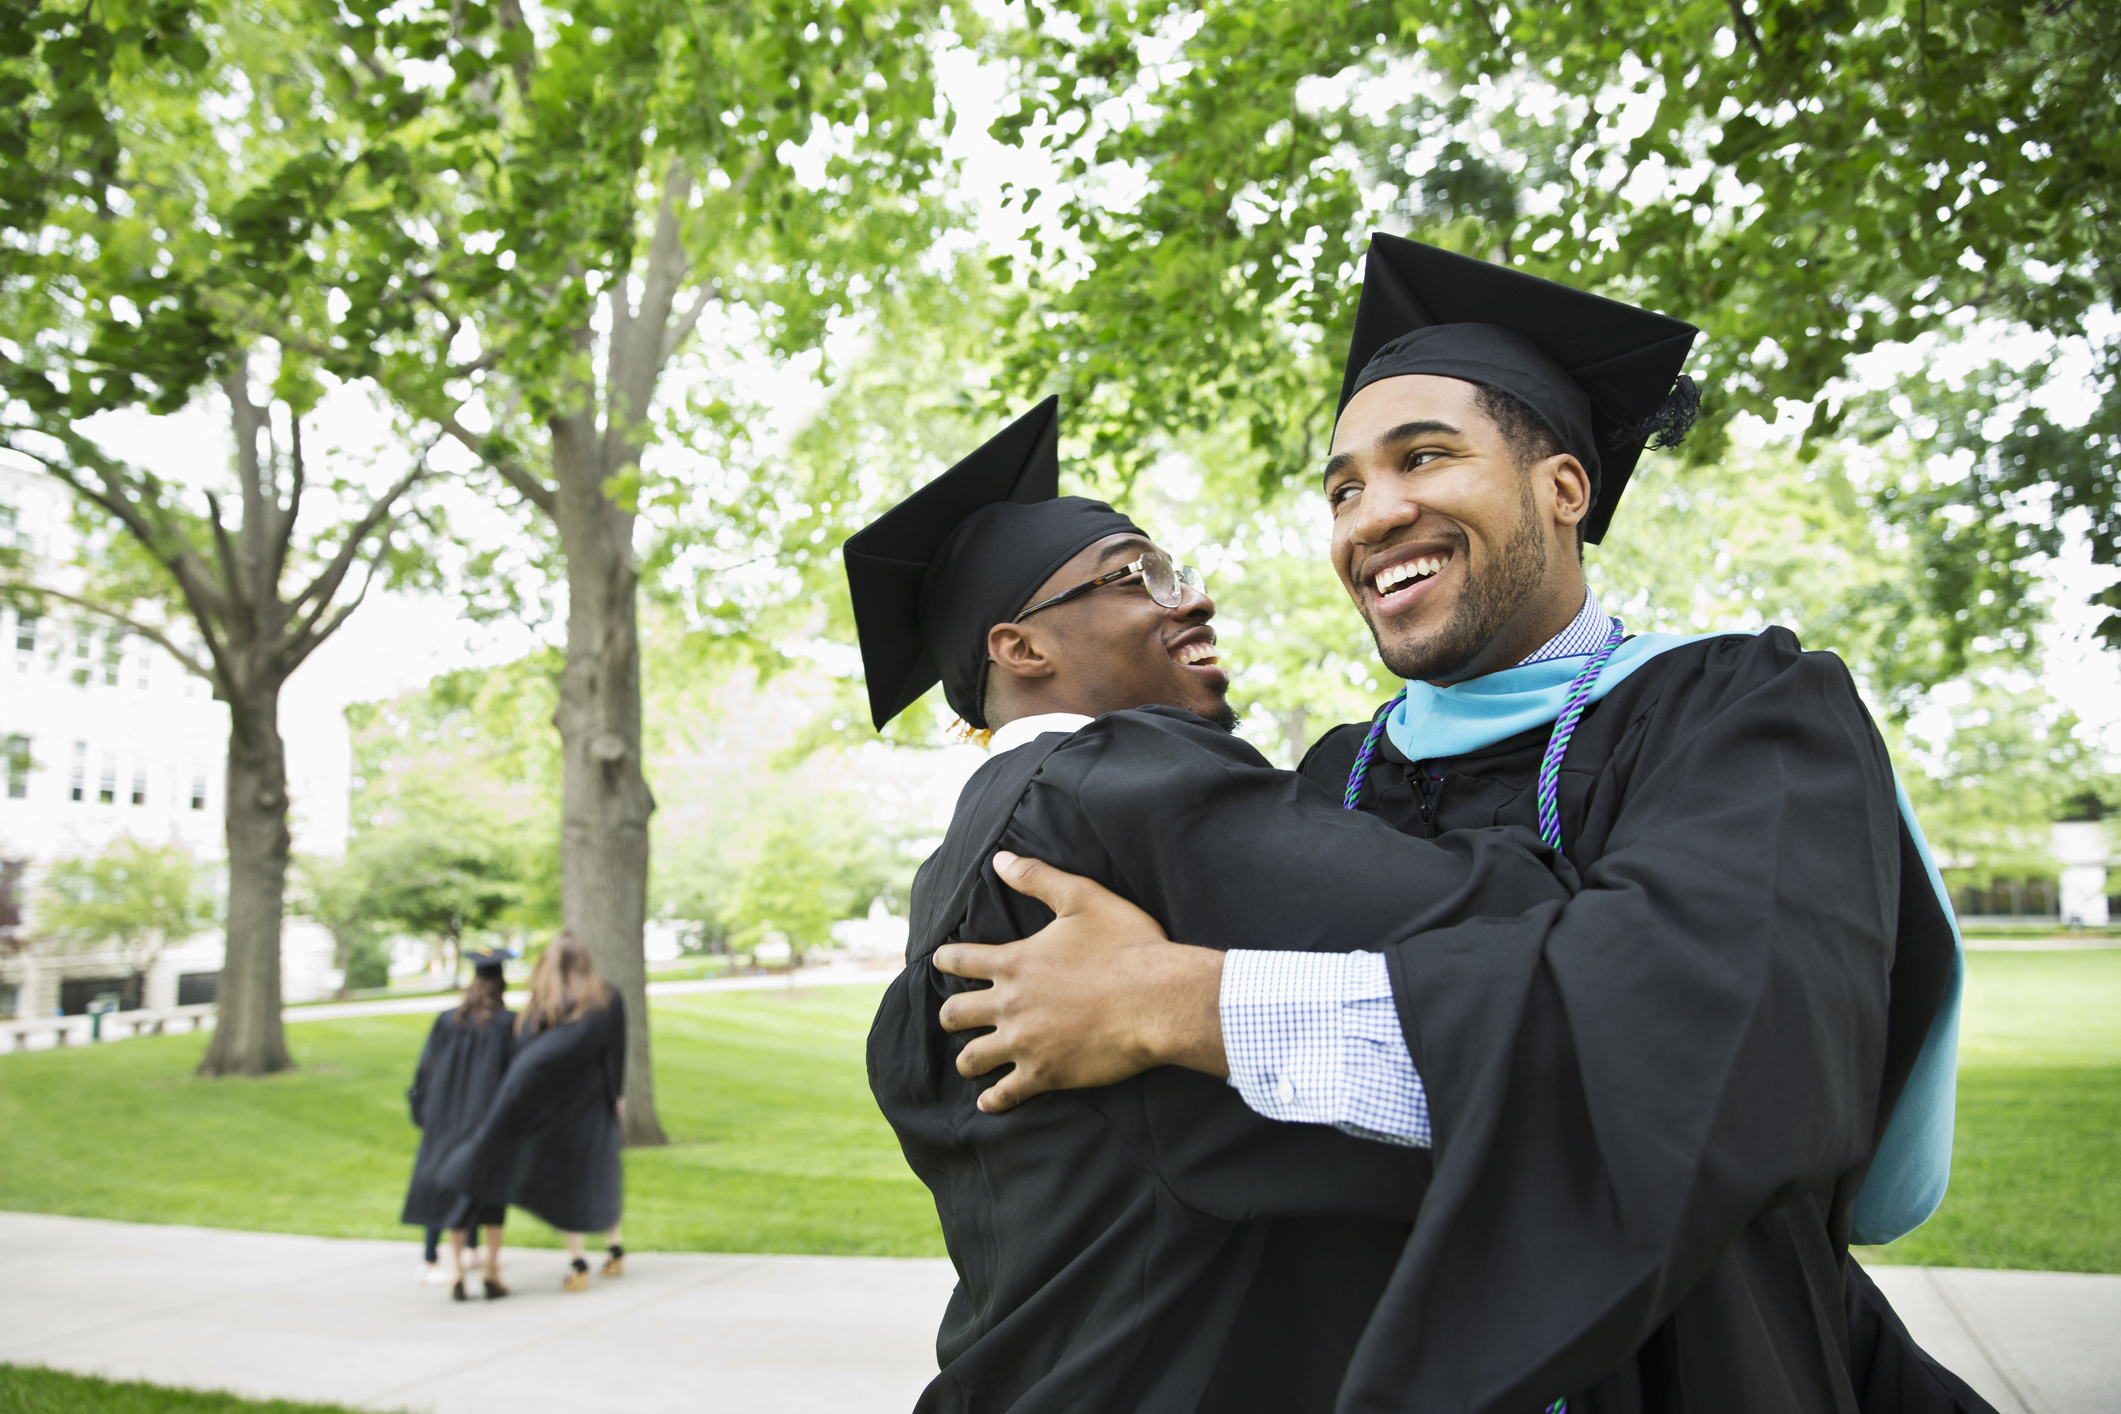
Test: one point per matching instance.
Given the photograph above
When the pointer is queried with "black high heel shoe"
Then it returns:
(494, 1290)
(456, 1291)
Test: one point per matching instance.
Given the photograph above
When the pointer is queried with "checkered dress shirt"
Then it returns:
(1314, 1038)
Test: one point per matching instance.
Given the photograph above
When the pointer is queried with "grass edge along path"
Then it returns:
(780, 1148)
(37, 1389)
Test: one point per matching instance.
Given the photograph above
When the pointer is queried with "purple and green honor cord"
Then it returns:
(1549, 770)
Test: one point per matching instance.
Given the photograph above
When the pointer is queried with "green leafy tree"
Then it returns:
(1805, 183)
(133, 137)
(804, 876)
(442, 879)
(338, 894)
(2008, 763)
(543, 212)
(455, 808)
(133, 898)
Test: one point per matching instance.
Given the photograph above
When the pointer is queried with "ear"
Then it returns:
(1020, 650)
(1571, 487)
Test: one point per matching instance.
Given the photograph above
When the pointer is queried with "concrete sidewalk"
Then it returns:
(2030, 1342)
(345, 1323)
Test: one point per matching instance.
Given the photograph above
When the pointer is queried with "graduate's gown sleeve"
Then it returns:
(1201, 831)
(1621, 1083)
(416, 1097)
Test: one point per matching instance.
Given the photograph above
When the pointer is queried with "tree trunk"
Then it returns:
(605, 799)
(248, 1039)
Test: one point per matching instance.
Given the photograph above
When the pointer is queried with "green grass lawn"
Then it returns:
(777, 1146)
(2036, 1169)
(27, 1389)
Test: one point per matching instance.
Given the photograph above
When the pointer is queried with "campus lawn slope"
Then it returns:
(2036, 1169)
(780, 1149)
(778, 1146)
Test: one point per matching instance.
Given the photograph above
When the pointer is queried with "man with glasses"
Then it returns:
(1152, 1245)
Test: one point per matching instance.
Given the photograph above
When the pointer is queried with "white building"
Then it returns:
(2086, 851)
(103, 736)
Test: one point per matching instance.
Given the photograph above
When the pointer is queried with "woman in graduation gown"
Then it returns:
(550, 1142)
(460, 1071)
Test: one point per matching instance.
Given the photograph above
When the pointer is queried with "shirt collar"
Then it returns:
(1585, 635)
(1024, 730)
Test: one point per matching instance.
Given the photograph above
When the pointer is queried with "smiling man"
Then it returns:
(1658, 1110)
(1151, 1245)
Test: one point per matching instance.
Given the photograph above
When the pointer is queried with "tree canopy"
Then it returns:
(1807, 183)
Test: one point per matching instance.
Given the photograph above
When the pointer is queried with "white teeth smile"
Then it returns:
(1194, 653)
(1390, 579)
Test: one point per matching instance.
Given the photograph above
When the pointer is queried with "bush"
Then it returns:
(367, 964)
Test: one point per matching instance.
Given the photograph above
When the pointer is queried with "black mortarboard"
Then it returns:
(960, 555)
(1604, 375)
(490, 963)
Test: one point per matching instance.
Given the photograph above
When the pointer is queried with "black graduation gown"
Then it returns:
(1154, 1245)
(460, 1071)
(550, 1142)
(1654, 1105)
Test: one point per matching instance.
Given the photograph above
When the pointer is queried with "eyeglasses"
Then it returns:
(1167, 583)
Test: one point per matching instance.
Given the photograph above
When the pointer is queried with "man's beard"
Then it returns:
(1224, 715)
(1490, 601)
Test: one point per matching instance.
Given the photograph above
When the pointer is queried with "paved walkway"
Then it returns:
(2031, 1342)
(345, 1322)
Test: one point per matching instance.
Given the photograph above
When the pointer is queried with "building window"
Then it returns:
(198, 790)
(25, 632)
(84, 651)
(17, 768)
(107, 784)
(79, 788)
(139, 785)
(113, 657)
(12, 536)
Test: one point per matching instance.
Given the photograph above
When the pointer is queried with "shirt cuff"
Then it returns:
(1314, 1038)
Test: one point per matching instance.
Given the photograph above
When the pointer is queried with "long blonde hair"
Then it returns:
(563, 985)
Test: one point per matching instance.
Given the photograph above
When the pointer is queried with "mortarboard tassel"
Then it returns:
(1667, 427)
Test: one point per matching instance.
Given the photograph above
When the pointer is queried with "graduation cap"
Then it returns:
(1604, 375)
(965, 552)
(488, 963)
